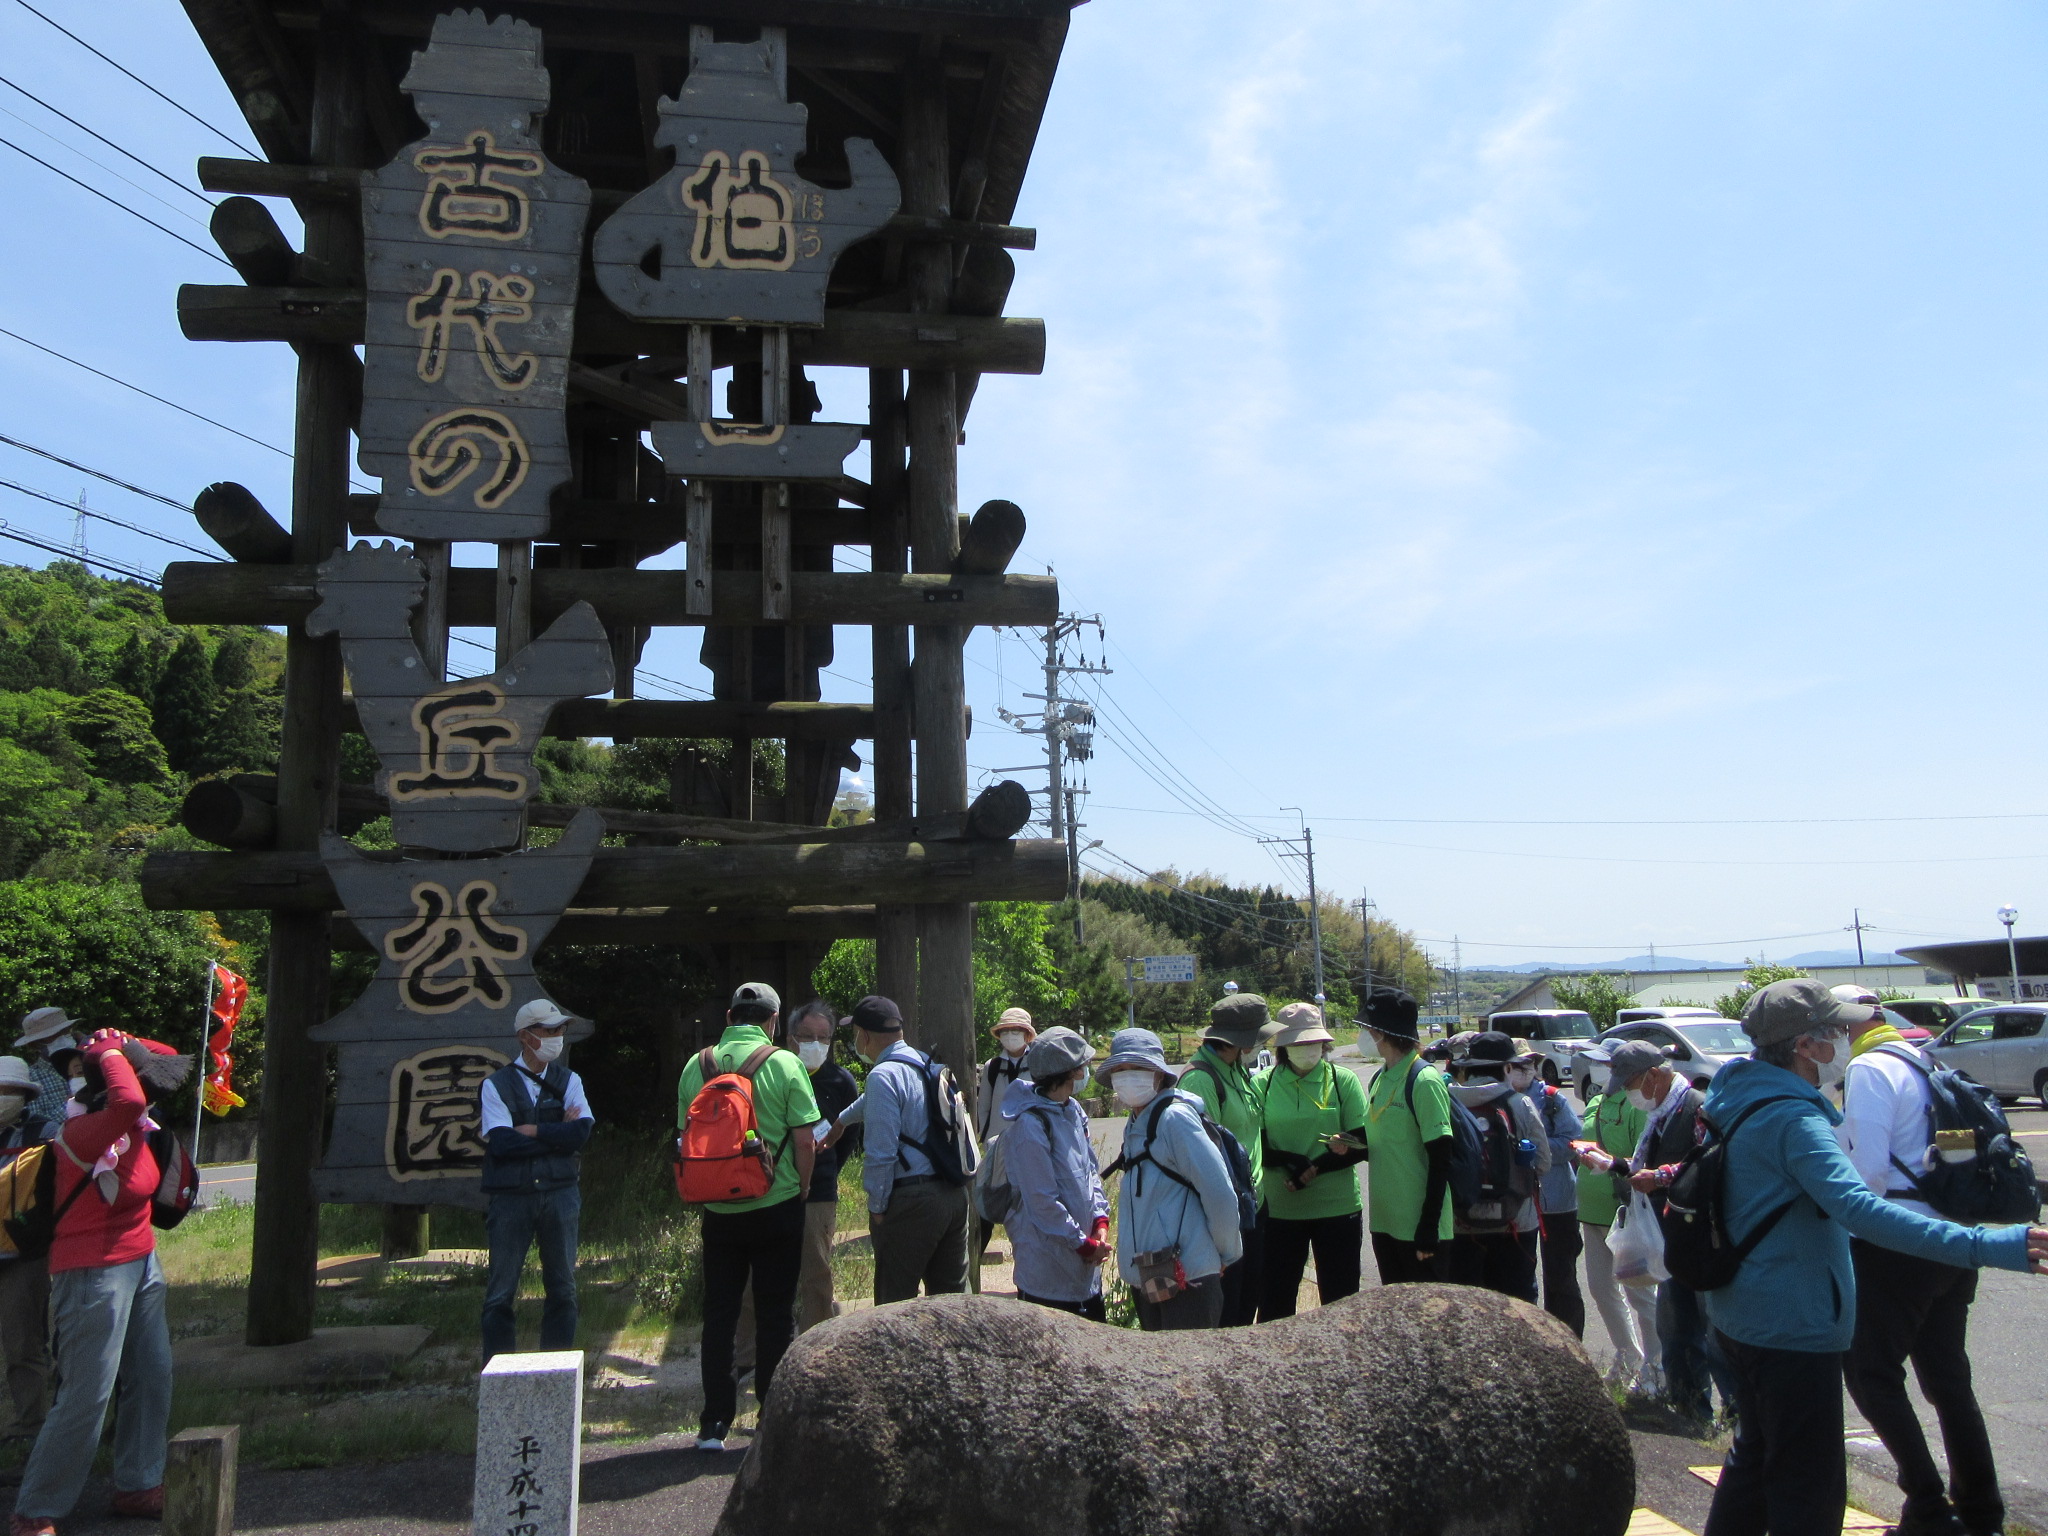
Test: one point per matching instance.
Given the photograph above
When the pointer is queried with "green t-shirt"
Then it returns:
(1399, 1167)
(1299, 1112)
(1618, 1126)
(783, 1103)
(1236, 1109)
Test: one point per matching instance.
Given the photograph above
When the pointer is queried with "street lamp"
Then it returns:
(2006, 915)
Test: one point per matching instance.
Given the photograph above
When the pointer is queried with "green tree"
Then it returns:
(96, 951)
(847, 973)
(1730, 1004)
(1013, 964)
(1597, 995)
(113, 730)
(186, 698)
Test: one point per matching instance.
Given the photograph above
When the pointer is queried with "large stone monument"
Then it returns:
(1407, 1411)
(529, 1444)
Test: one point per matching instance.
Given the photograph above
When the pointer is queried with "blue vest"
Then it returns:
(550, 1170)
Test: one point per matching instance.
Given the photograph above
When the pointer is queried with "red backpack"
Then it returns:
(719, 1153)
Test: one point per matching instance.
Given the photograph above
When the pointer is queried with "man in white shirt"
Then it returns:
(534, 1120)
(1909, 1308)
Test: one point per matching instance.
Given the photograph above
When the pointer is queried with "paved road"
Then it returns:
(227, 1184)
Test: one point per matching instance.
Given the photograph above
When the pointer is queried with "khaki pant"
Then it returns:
(814, 1301)
(25, 1336)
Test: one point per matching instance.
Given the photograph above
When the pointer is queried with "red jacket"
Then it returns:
(92, 1233)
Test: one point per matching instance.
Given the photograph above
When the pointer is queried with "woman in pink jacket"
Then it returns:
(106, 1291)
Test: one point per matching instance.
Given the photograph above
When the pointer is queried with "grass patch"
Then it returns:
(640, 1290)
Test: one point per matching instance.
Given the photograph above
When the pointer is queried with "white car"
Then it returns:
(1559, 1033)
(1701, 1041)
(2004, 1047)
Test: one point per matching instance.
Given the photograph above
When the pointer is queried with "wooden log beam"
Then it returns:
(262, 178)
(240, 524)
(989, 539)
(683, 925)
(849, 338)
(828, 874)
(206, 592)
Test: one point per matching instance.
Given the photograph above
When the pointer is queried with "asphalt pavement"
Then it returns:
(227, 1184)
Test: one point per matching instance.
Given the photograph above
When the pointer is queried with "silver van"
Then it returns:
(1559, 1033)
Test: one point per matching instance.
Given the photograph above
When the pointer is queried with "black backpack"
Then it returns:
(1228, 1145)
(1697, 1248)
(1498, 1179)
(948, 1128)
(1995, 1182)
(1468, 1150)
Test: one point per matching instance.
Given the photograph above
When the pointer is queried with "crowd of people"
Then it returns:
(1236, 1173)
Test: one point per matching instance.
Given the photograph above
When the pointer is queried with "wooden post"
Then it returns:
(431, 621)
(515, 599)
(405, 1232)
(946, 936)
(287, 1226)
(698, 506)
(895, 927)
(199, 1481)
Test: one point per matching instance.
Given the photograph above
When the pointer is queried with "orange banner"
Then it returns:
(229, 993)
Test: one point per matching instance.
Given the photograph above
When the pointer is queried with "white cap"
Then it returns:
(43, 1024)
(15, 1073)
(1850, 992)
(541, 1013)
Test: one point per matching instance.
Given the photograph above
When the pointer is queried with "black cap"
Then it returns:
(1392, 1012)
(1490, 1048)
(878, 1016)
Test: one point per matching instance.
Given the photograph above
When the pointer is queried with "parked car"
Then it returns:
(1933, 1014)
(1559, 1033)
(1702, 1042)
(2003, 1047)
(1664, 1011)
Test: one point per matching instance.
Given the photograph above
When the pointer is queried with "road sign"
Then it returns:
(1438, 1018)
(1168, 968)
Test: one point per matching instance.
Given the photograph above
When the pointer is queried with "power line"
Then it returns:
(97, 474)
(7, 532)
(103, 197)
(1752, 821)
(82, 128)
(138, 389)
(84, 511)
(88, 47)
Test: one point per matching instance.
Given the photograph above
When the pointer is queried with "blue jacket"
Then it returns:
(894, 1109)
(1797, 1290)
(1050, 1163)
(1161, 1213)
(1561, 1127)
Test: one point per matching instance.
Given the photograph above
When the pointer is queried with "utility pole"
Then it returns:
(1365, 924)
(1457, 978)
(1315, 917)
(1857, 928)
(1068, 726)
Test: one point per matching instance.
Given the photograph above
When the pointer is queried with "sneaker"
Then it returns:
(711, 1438)
(31, 1525)
(140, 1503)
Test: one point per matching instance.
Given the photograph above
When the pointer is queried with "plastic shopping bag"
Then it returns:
(1637, 1244)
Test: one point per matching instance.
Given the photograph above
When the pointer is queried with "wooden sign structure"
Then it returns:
(774, 188)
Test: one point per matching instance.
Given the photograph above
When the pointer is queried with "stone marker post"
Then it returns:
(529, 1442)
(199, 1481)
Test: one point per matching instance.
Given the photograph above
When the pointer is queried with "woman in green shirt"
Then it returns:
(1219, 1076)
(1314, 1134)
(1408, 1138)
(1615, 1126)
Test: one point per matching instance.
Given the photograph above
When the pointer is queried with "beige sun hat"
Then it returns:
(1016, 1018)
(45, 1024)
(1300, 1024)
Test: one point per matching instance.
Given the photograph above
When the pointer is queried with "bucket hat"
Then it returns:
(1133, 1048)
(1301, 1024)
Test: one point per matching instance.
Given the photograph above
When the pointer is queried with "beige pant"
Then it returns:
(814, 1301)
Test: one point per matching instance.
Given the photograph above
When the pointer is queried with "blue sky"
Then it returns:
(1478, 424)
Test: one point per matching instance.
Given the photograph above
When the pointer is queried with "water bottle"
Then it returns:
(1525, 1153)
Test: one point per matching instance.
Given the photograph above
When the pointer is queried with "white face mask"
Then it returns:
(11, 1106)
(75, 1084)
(1012, 1042)
(1641, 1100)
(1835, 1068)
(547, 1048)
(1519, 1078)
(1134, 1089)
(812, 1053)
(1303, 1058)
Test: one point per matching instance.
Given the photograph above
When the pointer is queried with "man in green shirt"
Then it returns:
(1315, 1137)
(761, 1239)
(1408, 1143)
(1219, 1077)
